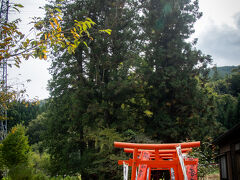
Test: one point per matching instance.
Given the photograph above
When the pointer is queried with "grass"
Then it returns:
(213, 176)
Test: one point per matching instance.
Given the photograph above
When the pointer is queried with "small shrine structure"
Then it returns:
(147, 158)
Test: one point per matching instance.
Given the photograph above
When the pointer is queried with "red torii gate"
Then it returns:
(160, 156)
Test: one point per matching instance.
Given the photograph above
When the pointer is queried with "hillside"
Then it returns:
(222, 71)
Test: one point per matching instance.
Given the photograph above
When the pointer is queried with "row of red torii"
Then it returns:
(149, 157)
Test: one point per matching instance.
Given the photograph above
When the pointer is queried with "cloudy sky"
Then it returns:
(34, 69)
(218, 33)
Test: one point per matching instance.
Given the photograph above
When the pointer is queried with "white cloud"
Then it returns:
(218, 31)
(223, 43)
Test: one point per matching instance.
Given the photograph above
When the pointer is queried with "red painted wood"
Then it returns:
(142, 172)
(129, 150)
(161, 156)
(156, 146)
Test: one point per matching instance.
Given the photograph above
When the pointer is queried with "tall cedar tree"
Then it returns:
(21, 112)
(144, 78)
(174, 69)
(95, 96)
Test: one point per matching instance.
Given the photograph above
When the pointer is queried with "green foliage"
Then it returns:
(20, 172)
(21, 112)
(22, 164)
(15, 148)
(221, 72)
(176, 99)
(85, 109)
(206, 155)
(227, 109)
(226, 99)
(234, 84)
(1, 159)
(40, 163)
(36, 129)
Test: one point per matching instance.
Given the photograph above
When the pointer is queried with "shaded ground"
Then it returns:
(213, 177)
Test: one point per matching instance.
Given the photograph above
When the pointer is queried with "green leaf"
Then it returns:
(18, 5)
(85, 44)
(90, 20)
(57, 9)
(148, 113)
(70, 51)
(87, 33)
(109, 31)
(16, 9)
(84, 26)
(76, 43)
(132, 100)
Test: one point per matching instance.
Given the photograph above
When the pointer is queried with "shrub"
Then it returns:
(15, 149)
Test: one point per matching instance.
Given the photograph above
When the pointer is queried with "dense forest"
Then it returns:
(222, 72)
(144, 83)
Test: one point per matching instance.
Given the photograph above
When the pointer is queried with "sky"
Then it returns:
(218, 33)
(33, 69)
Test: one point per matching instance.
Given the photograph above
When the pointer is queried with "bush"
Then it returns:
(21, 172)
(15, 149)
(40, 162)
(206, 154)
(22, 163)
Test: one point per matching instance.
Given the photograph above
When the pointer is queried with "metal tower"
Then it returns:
(3, 71)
